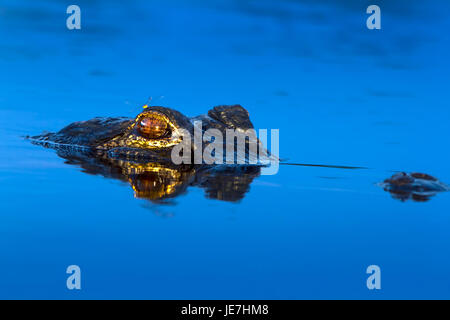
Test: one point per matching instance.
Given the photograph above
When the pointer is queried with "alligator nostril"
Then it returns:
(152, 128)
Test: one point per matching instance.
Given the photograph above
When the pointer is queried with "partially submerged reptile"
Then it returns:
(139, 151)
(150, 136)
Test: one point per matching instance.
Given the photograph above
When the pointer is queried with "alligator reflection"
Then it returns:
(158, 182)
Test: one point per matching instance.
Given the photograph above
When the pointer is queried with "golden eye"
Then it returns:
(152, 128)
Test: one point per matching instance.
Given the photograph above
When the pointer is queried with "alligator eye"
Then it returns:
(153, 128)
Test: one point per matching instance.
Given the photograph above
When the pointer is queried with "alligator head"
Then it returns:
(138, 151)
(150, 136)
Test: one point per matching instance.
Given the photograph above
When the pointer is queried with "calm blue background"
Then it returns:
(339, 93)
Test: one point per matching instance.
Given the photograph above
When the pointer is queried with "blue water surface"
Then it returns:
(340, 94)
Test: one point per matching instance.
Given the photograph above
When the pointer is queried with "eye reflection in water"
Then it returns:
(159, 182)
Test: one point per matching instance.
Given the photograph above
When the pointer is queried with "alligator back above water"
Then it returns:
(414, 186)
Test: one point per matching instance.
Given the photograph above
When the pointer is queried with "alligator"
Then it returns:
(150, 136)
(138, 151)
